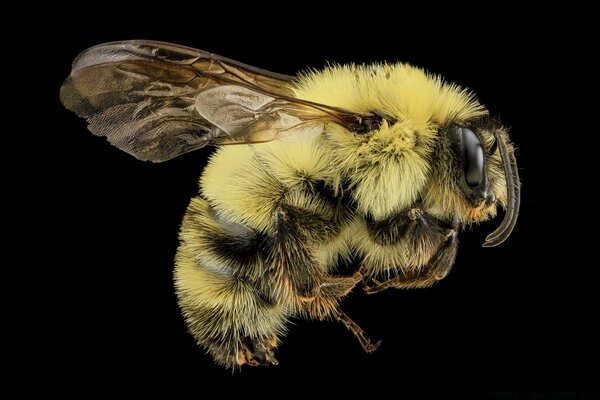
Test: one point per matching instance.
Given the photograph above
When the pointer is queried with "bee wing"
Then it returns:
(158, 100)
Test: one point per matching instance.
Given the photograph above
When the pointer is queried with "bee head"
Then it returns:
(474, 170)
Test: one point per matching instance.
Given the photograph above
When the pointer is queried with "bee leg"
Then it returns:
(437, 269)
(325, 303)
(298, 276)
(357, 332)
(296, 270)
(339, 286)
(256, 352)
(401, 282)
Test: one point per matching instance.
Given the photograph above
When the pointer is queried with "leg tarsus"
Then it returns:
(400, 282)
(255, 352)
(358, 332)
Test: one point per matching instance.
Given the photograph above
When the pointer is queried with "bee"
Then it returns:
(380, 165)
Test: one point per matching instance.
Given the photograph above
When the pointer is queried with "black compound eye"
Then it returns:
(473, 157)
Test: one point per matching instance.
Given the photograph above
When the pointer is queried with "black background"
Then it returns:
(515, 317)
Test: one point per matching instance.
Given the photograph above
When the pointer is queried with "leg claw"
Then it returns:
(376, 287)
(255, 352)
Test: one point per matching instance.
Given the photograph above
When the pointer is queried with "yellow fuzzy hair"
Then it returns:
(398, 90)
(386, 169)
(244, 183)
(383, 172)
(220, 308)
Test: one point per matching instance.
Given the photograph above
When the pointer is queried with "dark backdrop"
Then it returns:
(515, 317)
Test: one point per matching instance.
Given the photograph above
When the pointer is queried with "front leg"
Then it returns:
(437, 269)
(413, 247)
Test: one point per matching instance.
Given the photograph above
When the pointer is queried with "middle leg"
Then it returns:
(303, 276)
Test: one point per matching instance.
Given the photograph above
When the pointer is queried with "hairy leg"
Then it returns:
(358, 332)
(413, 248)
(437, 269)
(318, 292)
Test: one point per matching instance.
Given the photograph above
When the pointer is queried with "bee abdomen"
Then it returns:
(223, 287)
(222, 246)
(223, 312)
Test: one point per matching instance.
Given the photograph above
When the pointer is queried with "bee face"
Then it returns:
(469, 178)
(464, 183)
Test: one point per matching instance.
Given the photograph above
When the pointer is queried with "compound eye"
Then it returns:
(473, 157)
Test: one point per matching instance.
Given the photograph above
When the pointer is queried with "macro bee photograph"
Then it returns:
(361, 209)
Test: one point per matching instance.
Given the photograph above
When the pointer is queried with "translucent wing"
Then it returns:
(157, 100)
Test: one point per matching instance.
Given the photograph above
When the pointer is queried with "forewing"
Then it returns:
(157, 100)
(213, 64)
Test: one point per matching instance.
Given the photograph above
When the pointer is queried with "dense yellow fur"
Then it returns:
(399, 90)
(208, 291)
(389, 168)
(243, 182)
(337, 250)
(383, 173)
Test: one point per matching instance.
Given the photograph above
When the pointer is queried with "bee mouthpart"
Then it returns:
(513, 189)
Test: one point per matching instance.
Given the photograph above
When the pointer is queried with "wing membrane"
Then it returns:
(157, 100)
(153, 51)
